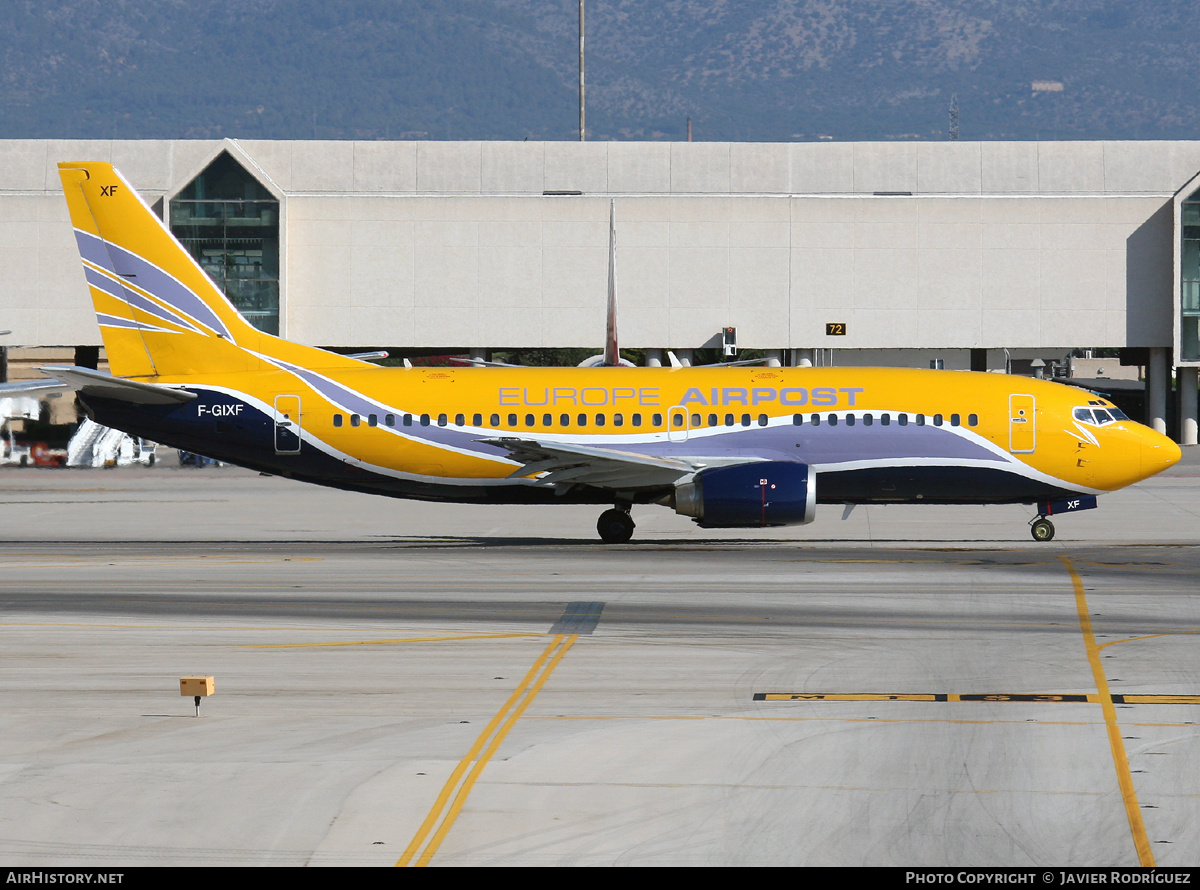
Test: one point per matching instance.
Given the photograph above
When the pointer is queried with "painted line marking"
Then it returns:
(1080, 697)
(1120, 761)
(428, 839)
(947, 721)
(401, 640)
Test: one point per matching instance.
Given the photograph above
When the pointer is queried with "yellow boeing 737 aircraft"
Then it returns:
(728, 446)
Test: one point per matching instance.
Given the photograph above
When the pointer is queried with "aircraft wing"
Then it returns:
(602, 467)
(90, 382)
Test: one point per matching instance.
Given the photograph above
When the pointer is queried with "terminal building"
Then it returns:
(956, 254)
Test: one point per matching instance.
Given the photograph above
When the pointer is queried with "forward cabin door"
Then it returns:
(287, 424)
(1022, 423)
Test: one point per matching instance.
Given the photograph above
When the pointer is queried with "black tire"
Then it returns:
(1042, 530)
(615, 526)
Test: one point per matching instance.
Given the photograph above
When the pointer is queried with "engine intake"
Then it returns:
(756, 495)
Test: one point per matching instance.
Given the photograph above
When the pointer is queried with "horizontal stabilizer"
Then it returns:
(96, 383)
(45, 388)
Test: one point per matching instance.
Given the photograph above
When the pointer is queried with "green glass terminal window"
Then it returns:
(1189, 284)
(229, 222)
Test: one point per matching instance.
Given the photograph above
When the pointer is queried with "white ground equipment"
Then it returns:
(94, 445)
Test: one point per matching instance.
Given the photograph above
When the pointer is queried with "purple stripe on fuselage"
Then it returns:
(106, 284)
(826, 444)
(149, 278)
(810, 444)
(356, 403)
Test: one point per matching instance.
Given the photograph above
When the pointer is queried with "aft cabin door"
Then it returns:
(1022, 423)
(287, 424)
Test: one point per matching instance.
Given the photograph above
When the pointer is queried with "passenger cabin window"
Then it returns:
(547, 420)
(937, 420)
(337, 420)
(849, 420)
(512, 420)
(407, 420)
(797, 420)
(424, 420)
(372, 420)
(656, 419)
(885, 420)
(637, 420)
(600, 420)
(495, 420)
(868, 420)
(389, 419)
(442, 421)
(902, 419)
(564, 420)
(972, 420)
(476, 420)
(954, 420)
(618, 420)
(355, 420)
(763, 420)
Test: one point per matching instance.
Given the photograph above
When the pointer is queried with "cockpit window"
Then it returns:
(1098, 416)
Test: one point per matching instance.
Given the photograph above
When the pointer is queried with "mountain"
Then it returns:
(774, 70)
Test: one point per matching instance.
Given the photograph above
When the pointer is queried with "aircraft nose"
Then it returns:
(1158, 453)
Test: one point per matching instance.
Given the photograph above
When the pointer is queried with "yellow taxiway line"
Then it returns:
(437, 824)
(1124, 778)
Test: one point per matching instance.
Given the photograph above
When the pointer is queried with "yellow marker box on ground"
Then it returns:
(196, 686)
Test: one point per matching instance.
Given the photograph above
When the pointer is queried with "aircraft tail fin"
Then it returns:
(612, 353)
(159, 312)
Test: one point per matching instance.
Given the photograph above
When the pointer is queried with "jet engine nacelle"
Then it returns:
(755, 495)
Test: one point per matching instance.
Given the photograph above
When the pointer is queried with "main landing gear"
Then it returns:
(615, 525)
(1042, 529)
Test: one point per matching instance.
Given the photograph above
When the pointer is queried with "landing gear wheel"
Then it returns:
(615, 526)
(1042, 529)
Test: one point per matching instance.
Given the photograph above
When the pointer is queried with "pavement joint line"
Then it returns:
(423, 846)
(1133, 813)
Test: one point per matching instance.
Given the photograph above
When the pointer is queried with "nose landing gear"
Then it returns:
(615, 526)
(1042, 529)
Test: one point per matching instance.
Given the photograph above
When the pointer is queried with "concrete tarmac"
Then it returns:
(453, 685)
